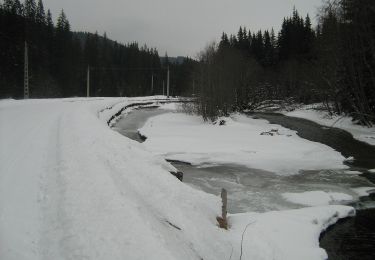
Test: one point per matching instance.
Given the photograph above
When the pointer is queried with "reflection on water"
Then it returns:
(129, 124)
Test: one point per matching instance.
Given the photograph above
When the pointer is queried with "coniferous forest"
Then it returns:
(332, 62)
(59, 58)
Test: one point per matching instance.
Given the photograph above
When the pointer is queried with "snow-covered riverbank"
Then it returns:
(71, 188)
(242, 140)
(316, 114)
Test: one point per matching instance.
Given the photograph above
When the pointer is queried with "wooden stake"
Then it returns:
(223, 222)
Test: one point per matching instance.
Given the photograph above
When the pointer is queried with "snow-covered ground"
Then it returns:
(242, 140)
(289, 234)
(322, 117)
(71, 188)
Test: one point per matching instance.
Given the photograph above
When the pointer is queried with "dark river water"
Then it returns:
(256, 190)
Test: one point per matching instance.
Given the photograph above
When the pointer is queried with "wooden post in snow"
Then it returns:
(224, 199)
(223, 222)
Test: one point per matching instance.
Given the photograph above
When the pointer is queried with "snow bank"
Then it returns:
(317, 198)
(171, 106)
(364, 191)
(291, 234)
(187, 138)
(361, 133)
(353, 172)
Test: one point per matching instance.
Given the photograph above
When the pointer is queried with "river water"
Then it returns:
(257, 190)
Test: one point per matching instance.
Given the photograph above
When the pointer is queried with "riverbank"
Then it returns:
(318, 114)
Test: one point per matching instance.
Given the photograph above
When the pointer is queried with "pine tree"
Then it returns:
(240, 35)
(30, 9)
(268, 49)
(273, 39)
(8, 5)
(13, 7)
(40, 14)
(49, 20)
(61, 21)
(224, 42)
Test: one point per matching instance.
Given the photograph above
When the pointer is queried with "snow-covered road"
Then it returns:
(73, 189)
(70, 188)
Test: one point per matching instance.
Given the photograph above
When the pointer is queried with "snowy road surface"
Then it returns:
(71, 188)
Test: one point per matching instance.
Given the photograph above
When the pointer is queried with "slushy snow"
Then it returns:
(187, 138)
(71, 188)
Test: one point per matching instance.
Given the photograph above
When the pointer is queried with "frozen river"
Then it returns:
(254, 189)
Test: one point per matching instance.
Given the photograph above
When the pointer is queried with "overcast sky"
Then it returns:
(180, 27)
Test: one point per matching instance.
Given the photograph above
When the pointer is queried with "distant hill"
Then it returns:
(175, 60)
(82, 36)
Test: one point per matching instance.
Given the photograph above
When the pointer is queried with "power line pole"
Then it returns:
(88, 81)
(168, 83)
(193, 87)
(152, 84)
(163, 88)
(26, 93)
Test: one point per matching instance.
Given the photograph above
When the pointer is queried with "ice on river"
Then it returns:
(261, 191)
(316, 198)
(249, 189)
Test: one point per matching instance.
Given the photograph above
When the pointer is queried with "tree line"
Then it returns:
(59, 58)
(333, 63)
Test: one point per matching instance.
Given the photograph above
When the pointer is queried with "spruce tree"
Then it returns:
(30, 9)
(49, 20)
(40, 14)
(13, 7)
(8, 5)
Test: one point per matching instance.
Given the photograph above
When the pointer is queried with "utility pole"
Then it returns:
(168, 83)
(26, 93)
(193, 87)
(163, 88)
(152, 84)
(88, 81)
